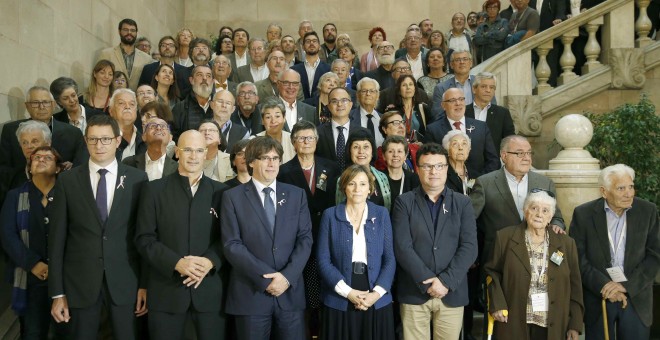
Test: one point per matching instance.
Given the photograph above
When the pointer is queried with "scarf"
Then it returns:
(19, 290)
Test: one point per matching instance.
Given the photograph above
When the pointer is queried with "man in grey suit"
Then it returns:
(154, 162)
(288, 86)
(618, 243)
(256, 69)
(267, 88)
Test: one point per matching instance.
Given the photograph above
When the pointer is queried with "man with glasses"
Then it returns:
(367, 98)
(267, 237)
(435, 243)
(268, 87)
(312, 67)
(256, 69)
(459, 38)
(229, 133)
(388, 95)
(414, 53)
(221, 73)
(334, 134)
(385, 57)
(125, 56)
(168, 51)
(154, 161)
(289, 89)
(247, 111)
(94, 264)
(192, 110)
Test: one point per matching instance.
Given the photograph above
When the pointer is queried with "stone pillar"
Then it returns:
(574, 171)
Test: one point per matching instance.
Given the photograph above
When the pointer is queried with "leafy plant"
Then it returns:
(630, 135)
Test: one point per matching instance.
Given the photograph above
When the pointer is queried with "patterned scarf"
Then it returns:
(19, 291)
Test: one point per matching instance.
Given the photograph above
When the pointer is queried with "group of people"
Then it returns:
(232, 204)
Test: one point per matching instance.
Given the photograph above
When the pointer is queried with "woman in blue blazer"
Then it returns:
(356, 263)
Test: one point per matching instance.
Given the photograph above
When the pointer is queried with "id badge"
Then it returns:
(616, 274)
(540, 302)
(322, 182)
(557, 257)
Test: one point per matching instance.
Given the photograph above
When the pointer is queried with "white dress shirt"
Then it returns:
(518, 189)
(154, 169)
(259, 72)
(260, 190)
(481, 113)
(311, 70)
(291, 114)
(130, 149)
(416, 65)
(375, 120)
(110, 179)
(241, 61)
(451, 123)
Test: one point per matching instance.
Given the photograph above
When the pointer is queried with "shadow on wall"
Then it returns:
(15, 103)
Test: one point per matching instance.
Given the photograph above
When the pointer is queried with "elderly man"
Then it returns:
(268, 87)
(483, 157)
(329, 40)
(388, 95)
(123, 109)
(223, 105)
(304, 27)
(435, 242)
(168, 50)
(247, 112)
(385, 57)
(256, 70)
(288, 87)
(143, 44)
(367, 98)
(459, 38)
(221, 73)
(312, 67)
(618, 241)
(498, 118)
(288, 46)
(334, 134)
(154, 161)
(193, 109)
(125, 56)
(185, 273)
(66, 139)
(413, 53)
(273, 32)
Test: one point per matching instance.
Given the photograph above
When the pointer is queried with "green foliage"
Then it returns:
(214, 41)
(630, 135)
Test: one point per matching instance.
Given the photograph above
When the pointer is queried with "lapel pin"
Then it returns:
(471, 128)
(121, 182)
(214, 213)
(281, 202)
(444, 211)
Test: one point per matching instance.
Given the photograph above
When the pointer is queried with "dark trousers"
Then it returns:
(283, 325)
(624, 323)
(536, 332)
(163, 325)
(36, 321)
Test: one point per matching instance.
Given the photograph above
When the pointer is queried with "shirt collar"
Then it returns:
(260, 186)
(112, 167)
(513, 178)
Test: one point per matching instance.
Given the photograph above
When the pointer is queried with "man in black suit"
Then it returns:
(247, 112)
(498, 118)
(223, 106)
(483, 157)
(66, 138)
(168, 52)
(154, 161)
(334, 134)
(180, 239)
(94, 264)
(366, 113)
(267, 248)
(618, 242)
(311, 45)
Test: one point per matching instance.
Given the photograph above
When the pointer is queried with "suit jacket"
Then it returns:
(305, 112)
(254, 125)
(243, 74)
(551, 10)
(234, 67)
(335, 255)
(172, 223)
(325, 146)
(84, 250)
(253, 250)
(265, 90)
(444, 86)
(114, 54)
(498, 120)
(494, 206)
(382, 76)
(321, 69)
(423, 250)
(483, 157)
(181, 74)
(511, 272)
(140, 162)
(454, 181)
(140, 146)
(641, 259)
(66, 139)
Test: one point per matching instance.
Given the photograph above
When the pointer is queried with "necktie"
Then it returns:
(457, 125)
(341, 147)
(269, 207)
(102, 195)
(370, 125)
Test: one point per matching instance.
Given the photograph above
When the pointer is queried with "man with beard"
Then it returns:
(191, 111)
(247, 114)
(288, 46)
(426, 27)
(385, 57)
(312, 67)
(221, 73)
(304, 27)
(123, 109)
(167, 49)
(288, 87)
(268, 87)
(472, 23)
(329, 38)
(256, 69)
(126, 57)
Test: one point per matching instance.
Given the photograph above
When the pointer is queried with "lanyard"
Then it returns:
(617, 247)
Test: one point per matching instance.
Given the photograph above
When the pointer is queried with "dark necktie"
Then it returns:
(102, 195)
(341, 147)
(370, 125)
(269, 207)
(457, 125)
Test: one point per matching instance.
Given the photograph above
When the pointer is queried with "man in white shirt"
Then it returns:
(154, 161)
(367, 97)
(123, 108)
(256, 69)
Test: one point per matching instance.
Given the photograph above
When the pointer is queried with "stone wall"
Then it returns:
(41, 40)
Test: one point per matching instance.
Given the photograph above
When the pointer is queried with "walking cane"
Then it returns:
(491, 320)
(607, 333)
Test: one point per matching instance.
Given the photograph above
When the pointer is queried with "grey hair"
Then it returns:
(271, 103)
(326, 76)
(616, 170)
(285, 71)
(444, 95)
(368, 80)
(302, 126)
(40, 88)
(274, 24)
(247, 83)
(453, 133)
(460, 51)
(304, 22)
(119, 92)
(506, 140)
(481, 76)
(254, 40)
(540, 197)
(31, 126)
(339, 60)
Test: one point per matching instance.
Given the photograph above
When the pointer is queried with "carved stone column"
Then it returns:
(567, 60)
(526, 114)
(628, 71)
(643, 24)
(592, 48)
(543, 69)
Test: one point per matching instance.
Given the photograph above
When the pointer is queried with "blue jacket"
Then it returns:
(335, 252)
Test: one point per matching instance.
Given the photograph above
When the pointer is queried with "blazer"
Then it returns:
(172, 223)
(140, 146)
(254, 125)
(181, 74)
(423, 250)
(265, 90)
(495, 209)
(253, 250)
(321, 69)
(334, 253)
(325, 146)
(642, 255)
(498, 120)
(243, 74)
(444, 86)
(483, 157)
(84, 250)
(305, 112)
(114, 54)
(66, 139)
(140, 162)
(551, 10)
(454, 182)
(382, 76)
(511, 272)
(236, 133)
(234, 67)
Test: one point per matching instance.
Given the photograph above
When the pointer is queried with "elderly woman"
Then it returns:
(348, 53)
(217, 165)
(272, 118)
(436, 71)
(356, 263)
(535, 277)
(458, 144)
(392, 124)
(164, 82)
(327, 82)
(395, 152)
(489, 38)
(24, 221)
(368, 61)
(65, 93)
(101, 86)
(416, 113)
(238, 164)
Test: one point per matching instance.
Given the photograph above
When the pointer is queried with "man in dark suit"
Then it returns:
(334, 134)
(221, 72)
(288, 87)
(168, 52)
(498, 118)
(267, 248)
(94, 264)
(66, 138)
(483, 157)
(312, 61)
(154, 161)
(269, 87)
(223, 106)
(618, 242)
(247, 111)
(435, 242)
(184, 271)
(365, 112)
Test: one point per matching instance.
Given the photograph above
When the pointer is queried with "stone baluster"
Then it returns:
(592, 48)
(567, 60)
(643, 24)
(543, 69)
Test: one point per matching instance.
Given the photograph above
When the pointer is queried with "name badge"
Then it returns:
(616, 274)
(557, 257)
(540, 302)
(322, 182)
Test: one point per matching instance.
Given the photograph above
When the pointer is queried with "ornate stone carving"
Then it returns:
(526, 114)
(627, 68)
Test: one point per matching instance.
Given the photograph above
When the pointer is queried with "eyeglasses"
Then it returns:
(145, 93)
(461, 60)
(205, 131)
(247, 94)
(190, 151)
(103, 140)
(311, 41)
(402, 69)
(343, 101)
(257, 49)
(454, 100)
(428, 167)
(522, 154)
(303, 139)
(275, 159)
(144, 46)
(45, 158)
(128, 30)
(156, 126)
(413, 38)
(37, 104)
(536, 190)
(240, 154)
(221, 63)
(289, 83)
(167, 45)
(370, 91)
(200, 48)
(388, 47)
(120, 81)
(396, 122)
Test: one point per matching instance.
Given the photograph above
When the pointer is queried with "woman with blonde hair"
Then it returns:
(101, 86)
